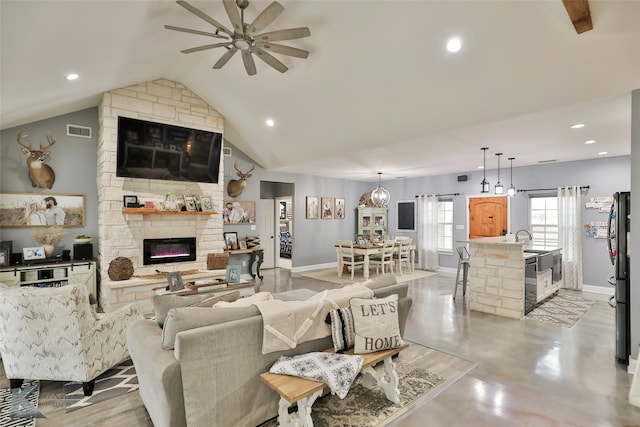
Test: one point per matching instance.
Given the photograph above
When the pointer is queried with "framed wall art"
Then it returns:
(41, 210)
(312, 207)
(339, 208)
(327, 207)
(239, 212)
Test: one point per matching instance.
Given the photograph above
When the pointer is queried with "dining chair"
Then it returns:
(348, 257)
(385, 258)
(403, 254)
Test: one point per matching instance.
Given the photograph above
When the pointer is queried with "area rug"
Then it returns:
(564, 309)
(423, 373)
(330, 275)
(20, 410)
(115, 382)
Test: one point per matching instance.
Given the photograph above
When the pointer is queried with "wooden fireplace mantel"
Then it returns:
(153, 211)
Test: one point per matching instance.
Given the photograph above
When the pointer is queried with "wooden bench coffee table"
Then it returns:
(305, 392)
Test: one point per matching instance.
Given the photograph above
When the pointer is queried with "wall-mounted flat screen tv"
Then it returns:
(160, 151)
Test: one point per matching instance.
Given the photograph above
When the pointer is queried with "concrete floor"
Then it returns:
(529, 373)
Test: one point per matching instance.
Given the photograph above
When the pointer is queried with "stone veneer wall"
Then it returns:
(161, 101)
(496, 279)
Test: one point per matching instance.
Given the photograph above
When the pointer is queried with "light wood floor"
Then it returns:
(528, 373)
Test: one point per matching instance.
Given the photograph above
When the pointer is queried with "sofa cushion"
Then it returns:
(163, 303)
(246, 301)
(342, 328)
(185, 318)
(376, 324)
(381, 281)
(295, 295)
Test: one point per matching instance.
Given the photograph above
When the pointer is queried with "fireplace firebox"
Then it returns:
(161, 251)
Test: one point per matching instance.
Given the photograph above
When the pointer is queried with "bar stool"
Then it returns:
(463, 264)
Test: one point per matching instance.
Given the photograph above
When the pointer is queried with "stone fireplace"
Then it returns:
(123, 234)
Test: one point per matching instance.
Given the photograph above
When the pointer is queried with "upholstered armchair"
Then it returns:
(54, 334)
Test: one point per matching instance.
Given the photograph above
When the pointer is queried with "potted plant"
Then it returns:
(82, 238)
(48, 237)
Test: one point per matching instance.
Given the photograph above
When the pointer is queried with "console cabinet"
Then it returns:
(372, 221)
(55, 274)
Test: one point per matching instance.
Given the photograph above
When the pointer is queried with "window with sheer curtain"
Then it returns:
(445, 226)
(544, 220)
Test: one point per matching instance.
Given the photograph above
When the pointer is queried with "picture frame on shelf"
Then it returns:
(233, 273)
(239, 212)
(42, 210)
(313, 204)
(243, 244)
(190, 202)
(174, 278)
(231, 240)
(327, 208)
(5, 257)
(130, 201)
(339, 208)
(33, 252)
(206, 203)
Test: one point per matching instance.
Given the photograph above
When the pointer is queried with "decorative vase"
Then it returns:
(48, 250)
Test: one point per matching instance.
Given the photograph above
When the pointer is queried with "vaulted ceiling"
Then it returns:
(378, 92)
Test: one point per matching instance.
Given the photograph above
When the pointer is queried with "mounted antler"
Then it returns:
(236, 186)
(41, 175)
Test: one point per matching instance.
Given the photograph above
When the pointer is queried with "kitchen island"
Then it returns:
(497, 276)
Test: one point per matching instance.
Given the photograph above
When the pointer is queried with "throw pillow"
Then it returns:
(209, 302)
(342, 328)
(376, 324)
(163, 303)
(246, 301)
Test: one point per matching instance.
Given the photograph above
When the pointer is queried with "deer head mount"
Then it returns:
(236, 186)
(41, 175)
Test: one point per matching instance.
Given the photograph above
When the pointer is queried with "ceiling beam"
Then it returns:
(580, 14)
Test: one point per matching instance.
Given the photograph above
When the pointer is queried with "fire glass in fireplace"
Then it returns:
(160, 251)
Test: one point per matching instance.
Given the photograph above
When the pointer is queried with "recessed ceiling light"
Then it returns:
(71, 76)
(270, 123)
(454, 44)
(591, 141)
(602, 153)
(577, 126)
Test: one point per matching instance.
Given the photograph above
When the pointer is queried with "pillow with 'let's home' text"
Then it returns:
(376, 324)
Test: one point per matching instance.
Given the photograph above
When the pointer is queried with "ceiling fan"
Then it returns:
(245, 37)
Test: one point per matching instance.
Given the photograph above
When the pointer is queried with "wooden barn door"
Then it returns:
(487, 216)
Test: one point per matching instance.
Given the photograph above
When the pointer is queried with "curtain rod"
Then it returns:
(438, 195)
(582, 187)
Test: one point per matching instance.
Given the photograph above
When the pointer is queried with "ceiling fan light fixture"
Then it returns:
(241, 44)
(484, 184)
(380, 196)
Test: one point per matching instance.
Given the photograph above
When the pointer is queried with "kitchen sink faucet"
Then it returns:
(526, 231)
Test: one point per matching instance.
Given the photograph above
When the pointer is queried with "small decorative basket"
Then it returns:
(217, 261)
(253, 242)
(120, 268)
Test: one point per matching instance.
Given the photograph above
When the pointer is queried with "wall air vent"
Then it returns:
(81, 131)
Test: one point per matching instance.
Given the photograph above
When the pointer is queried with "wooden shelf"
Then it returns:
(242, 251)
(153, 211)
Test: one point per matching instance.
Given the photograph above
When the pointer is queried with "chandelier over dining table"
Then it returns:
(380, 196)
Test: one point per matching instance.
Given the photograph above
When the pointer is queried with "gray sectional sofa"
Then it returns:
(203, 367)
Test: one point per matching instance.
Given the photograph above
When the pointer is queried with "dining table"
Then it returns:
(367, 250)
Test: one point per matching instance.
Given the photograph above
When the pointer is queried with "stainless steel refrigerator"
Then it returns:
(618, 238)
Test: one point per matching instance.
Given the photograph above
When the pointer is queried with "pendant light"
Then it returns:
(499, 186)
(511, 191)
(484, 183)
(380, 196)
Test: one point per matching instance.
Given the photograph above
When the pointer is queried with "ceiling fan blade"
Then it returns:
(234, 15)
(205, 47)
(225, 58)
(280, 35)
(266, 17)
(205, 17)
(249, 64)
(284, 50)
(188, 30)
(271, 60)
